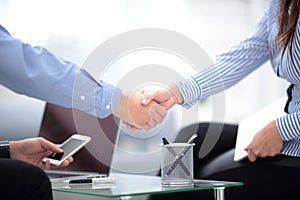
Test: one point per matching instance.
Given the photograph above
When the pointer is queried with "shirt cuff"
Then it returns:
(95, 98)
(193, 89)
(107, 99)
(289, 126)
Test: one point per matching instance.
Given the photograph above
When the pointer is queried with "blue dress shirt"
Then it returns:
(38, 73)
(245, 57)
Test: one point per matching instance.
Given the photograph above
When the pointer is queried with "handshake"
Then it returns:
(147, 107)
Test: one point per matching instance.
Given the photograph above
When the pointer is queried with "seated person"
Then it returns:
(21, 168)
(271, 170)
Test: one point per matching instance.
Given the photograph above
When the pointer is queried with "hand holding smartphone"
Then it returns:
(69, 147)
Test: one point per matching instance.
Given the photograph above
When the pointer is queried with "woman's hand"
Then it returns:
(267, 142)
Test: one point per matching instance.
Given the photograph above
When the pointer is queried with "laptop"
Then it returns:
(250, 125)
(59, 123)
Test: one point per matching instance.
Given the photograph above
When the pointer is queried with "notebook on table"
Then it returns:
(250, 125)
(59, 123)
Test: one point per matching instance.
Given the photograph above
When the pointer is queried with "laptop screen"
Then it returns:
(59, 123)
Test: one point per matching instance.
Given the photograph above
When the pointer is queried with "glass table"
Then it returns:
(127, 185)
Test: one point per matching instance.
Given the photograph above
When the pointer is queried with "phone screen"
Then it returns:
(67, 147)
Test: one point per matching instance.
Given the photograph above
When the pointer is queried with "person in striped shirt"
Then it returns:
(273, 165)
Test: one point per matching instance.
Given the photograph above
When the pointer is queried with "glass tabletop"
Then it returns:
(133, 185)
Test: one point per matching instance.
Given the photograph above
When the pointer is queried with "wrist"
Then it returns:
(5, 149)
(123, 104)
(13, 149)
(178, 98)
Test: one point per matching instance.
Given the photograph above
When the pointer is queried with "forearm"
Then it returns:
(229, 68)
(36, 72)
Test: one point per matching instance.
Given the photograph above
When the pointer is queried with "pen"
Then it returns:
(92, 180)
(79, 181)
(171, 150)
(175, 163)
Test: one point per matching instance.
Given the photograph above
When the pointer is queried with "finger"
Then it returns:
(151, 124)
(145, 101)
(162, 111)
(50, 146)
(70, 159)
(155, 116)
(65, 163)
(141, 90)
(247, 148)
(131, 127)
(251, 156)
(46, 165)
(147, 127)
(158, 113)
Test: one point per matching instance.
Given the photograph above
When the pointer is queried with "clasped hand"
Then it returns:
(147, 107)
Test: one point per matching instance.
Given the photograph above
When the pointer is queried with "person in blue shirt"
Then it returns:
(38, 73)
(272, 168)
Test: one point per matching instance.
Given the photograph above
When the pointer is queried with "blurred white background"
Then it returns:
(73, 29)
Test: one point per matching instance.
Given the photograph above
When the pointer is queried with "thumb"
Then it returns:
(148, 97)
(50, 146)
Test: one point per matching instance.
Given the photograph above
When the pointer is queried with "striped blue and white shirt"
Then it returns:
(245, 57)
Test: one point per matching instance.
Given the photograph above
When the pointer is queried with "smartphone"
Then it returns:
(69, 147)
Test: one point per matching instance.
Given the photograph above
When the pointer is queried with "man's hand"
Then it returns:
(33, 151)
(267, 142)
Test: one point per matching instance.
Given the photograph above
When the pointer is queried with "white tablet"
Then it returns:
(250, 125)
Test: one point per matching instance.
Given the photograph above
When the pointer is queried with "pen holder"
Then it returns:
(177, 164)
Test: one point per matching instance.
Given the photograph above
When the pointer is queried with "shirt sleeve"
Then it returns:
(38, 73)
(230, 67)
(289, 126)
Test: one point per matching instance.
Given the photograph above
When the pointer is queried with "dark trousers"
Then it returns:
(267, 178)
(23, 181)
